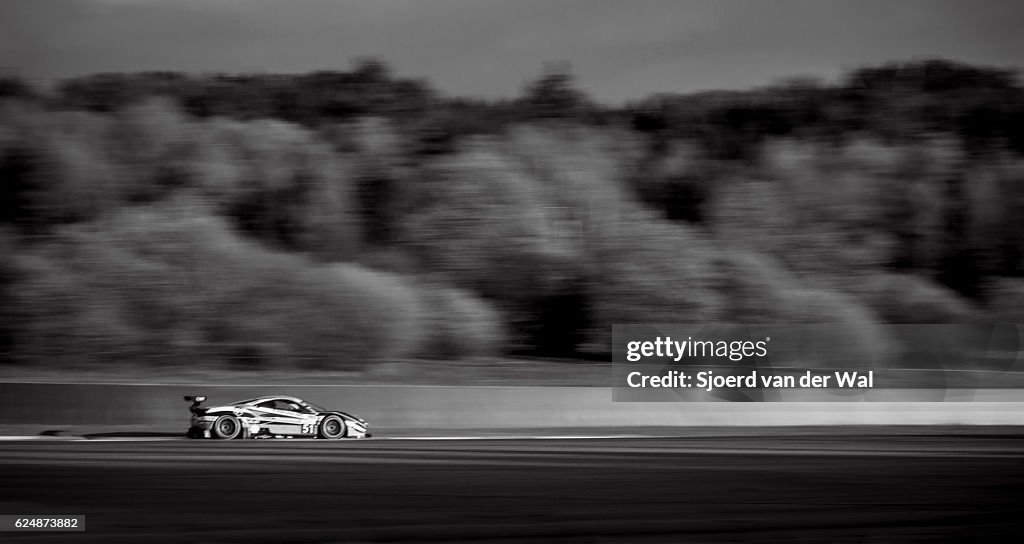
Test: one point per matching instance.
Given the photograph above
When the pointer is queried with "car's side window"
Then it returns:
(286, 406)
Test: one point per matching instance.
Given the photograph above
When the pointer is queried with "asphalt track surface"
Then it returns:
(883, 486)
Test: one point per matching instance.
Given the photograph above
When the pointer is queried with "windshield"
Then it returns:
(315, 407)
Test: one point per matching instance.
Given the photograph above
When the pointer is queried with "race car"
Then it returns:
(272, 417)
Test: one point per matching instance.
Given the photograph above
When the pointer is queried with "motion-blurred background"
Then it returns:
(350, 216)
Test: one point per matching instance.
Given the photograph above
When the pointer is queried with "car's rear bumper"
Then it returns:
(202, 424)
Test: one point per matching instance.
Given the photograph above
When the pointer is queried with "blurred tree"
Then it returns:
(903, 298)
(12, 87)
(21, 183)
(554, 95)
(478, 214)
(171, 282)
(895, 191)
(9, 277)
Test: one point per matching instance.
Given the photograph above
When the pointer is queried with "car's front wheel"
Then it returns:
(332, 427)
(227, 427)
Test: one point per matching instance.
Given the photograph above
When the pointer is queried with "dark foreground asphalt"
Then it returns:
(883, 487)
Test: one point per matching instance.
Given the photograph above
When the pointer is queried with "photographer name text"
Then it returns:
(709, 381)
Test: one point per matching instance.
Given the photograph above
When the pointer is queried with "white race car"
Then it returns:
(272, 417)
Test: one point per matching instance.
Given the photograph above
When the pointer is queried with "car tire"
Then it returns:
(227, 427)
(332, 427)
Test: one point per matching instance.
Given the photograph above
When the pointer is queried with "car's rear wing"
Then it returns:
(196, 401)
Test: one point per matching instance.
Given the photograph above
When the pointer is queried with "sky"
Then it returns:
(617, 49)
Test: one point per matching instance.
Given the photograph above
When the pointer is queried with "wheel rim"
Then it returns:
(332, 427)
(227, 427)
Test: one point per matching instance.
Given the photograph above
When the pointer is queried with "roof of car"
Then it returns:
(258, 400)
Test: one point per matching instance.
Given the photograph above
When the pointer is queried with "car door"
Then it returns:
(278, 417)
(307, 418)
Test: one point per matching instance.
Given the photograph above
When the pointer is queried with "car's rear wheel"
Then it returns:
(227, 427)
(332, 427)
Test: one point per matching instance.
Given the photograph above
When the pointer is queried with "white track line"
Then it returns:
(194, 385)
(523, 437)
(38, 437)
(421, 438)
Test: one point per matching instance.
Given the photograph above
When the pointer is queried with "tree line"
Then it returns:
(332, 219)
